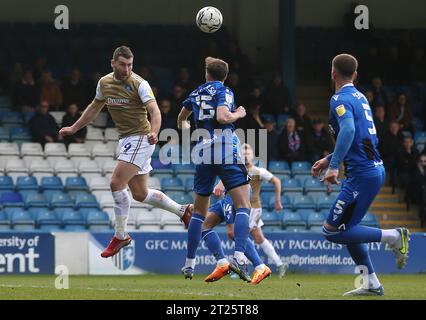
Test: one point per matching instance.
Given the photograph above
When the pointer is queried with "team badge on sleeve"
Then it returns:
(340, 110)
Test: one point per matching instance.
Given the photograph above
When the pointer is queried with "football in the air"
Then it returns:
(209, 19)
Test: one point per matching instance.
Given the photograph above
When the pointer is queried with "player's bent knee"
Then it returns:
(140, 196)
(116, 185)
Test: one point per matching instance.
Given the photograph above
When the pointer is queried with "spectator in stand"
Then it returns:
(292, 146)
(303, 121)
(184, 80)
(380, 95)
(320, 141)
(398, 73)
(167, 121)
(253, 121)
(419, 187)
(407, 161)
(380, 122)
(91, 87)
(370, 98)
(389, 148)
(277, 97)
(74, 90)
(27, 93)
(39, 67)
(15, 77)
(69, 118)
(50, 90)
(178, 95)
(401, 112)
(241, 94)
(43, 126)
(272, 137)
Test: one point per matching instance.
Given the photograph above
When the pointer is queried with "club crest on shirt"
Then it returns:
(127, 87)
(340, 110)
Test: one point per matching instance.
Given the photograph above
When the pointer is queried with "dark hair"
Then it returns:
(217, 68)
(122, 51)
(345, 65)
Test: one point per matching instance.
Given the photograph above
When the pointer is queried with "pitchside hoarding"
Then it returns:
(164, 252)
(27, 253)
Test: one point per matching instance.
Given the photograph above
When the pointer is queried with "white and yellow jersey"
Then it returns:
(258, 175)
(126, 102)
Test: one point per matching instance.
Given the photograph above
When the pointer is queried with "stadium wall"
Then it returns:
(164, 252)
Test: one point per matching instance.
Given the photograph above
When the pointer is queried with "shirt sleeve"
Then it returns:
(99, 96)
(265, 175)
(225, 97)
(145, 92)
(187, 104)
(340, 110)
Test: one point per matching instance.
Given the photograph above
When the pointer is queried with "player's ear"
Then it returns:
(112, 63)
(355, 76)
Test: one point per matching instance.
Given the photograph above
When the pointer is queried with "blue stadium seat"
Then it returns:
(4, 134)
(303, 202)
(370, 220)
(11, 199)
(293, 220)
(22, 220)
(316, 229)
(316, 219)
(48, 221)
(73, 221)
(74, 193)
(268, 117)
(86, 201)
(26, 183)
(51, 183)
(279, 167)
(271, 218)
(419, 134)
(20, 134)
(189, 184)
(313, 185)
(286, 201)
(36, 200)
(4, 221)
(76, 184)
(325, 201)
(172, 184)
(161, 176)
(304, 213)
(159, 167)
(179, 169)
(281, 119)
(61, 200)
(98, 220)
(181, 198)
(300, 168)
(6, 183)
(265, 199)
(291, 185)
(49, 194)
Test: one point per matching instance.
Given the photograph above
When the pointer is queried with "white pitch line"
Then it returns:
(122, 289)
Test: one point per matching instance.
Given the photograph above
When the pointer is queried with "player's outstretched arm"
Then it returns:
(224, 116)
(155, 114)
(88, 115)
(182, 118)
(277, 184)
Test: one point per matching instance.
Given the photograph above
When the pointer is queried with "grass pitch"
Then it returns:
(175, 287)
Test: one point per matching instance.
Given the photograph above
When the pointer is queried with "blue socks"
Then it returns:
(194, 234)
(241, 229)
(360, 255)
(213, 243)
(251, 254)
(356, 234)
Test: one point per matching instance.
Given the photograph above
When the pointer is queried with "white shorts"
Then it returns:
(138, 151)
(255, 220)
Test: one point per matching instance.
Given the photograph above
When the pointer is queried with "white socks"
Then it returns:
(121, 210)
(268, 248)
(373, 281)
(240, 257)
(221, 262)
(190, 263)
(390, 236)
(160, 200)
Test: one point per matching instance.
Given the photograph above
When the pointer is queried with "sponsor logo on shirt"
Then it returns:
(117, 101)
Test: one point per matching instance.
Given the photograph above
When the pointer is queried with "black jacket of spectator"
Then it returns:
(320, 144)
(67, 121)
(42, 126)
(74, 92)
(390, 145)
(26, 95)
(381, 128)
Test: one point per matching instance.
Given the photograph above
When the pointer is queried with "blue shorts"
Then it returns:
(354, 199)
(232, 176)
(224, 209)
